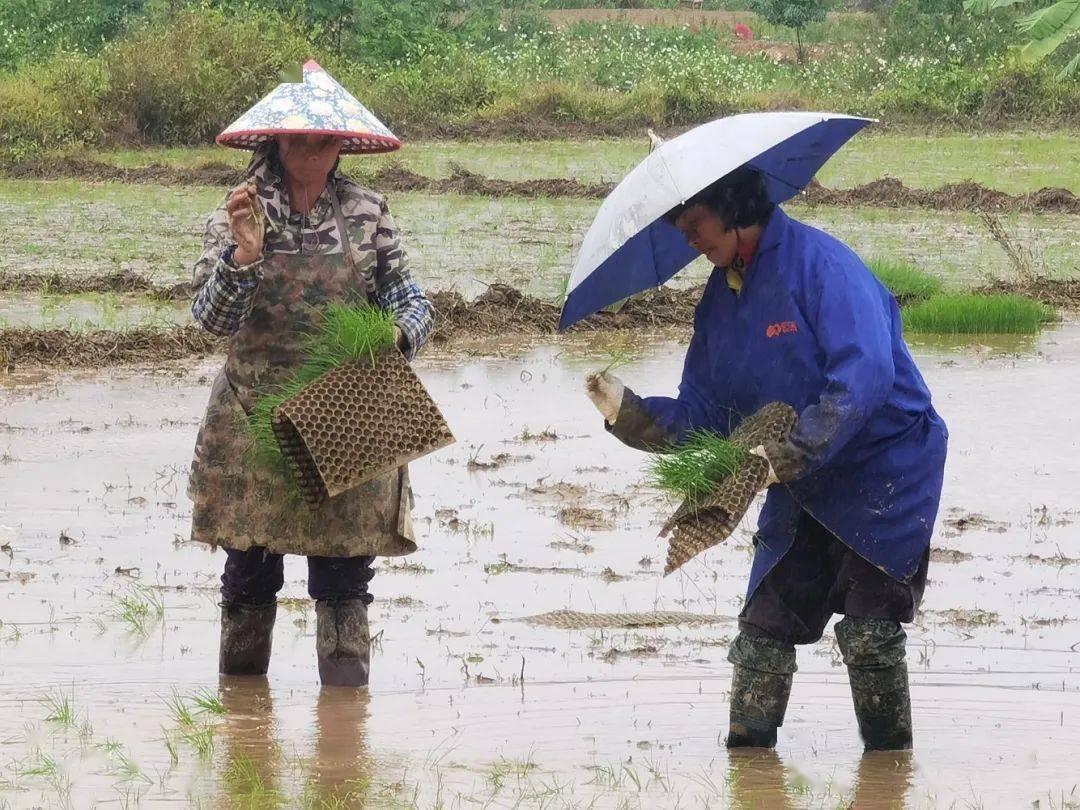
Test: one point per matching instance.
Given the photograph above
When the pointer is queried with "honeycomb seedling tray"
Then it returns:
(699, 524)
(356, 422)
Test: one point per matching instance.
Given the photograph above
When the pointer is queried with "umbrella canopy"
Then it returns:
(629, 247)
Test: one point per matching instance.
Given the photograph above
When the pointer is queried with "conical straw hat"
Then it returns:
(316, 106)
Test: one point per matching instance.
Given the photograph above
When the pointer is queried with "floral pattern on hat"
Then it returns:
(317, 105)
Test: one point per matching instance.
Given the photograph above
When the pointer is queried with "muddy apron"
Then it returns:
(240, 503)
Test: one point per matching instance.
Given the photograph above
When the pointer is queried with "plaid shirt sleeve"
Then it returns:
(223, 293)
(395, 291)
(224, 301)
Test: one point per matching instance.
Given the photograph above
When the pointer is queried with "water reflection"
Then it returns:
(258, 770)
(252, 757)
(341, 772)
(883, 780)
(758, 780)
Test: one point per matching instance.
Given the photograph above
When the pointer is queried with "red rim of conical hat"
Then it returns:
(317, 105)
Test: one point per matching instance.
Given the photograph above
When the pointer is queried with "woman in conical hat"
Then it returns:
(294, 235)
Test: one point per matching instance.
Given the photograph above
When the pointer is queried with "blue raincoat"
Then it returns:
(814, 328)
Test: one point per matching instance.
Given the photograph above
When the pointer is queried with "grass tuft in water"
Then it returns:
(139, 607)
(126, 770)
(200, 736)
(42, 765)
(978, 315)
(246, 786)
(905, 281)
(201, 739)
(347, 332)
(697, 466)
(61, 707)
(181, 714)
(208, 702)
(170, 746)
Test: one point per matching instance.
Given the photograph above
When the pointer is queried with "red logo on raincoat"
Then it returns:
(781, 328)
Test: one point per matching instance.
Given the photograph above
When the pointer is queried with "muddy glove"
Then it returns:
(606, 392)
(786, 461)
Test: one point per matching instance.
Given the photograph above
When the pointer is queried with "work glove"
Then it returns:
(606, 392)
(786, 462)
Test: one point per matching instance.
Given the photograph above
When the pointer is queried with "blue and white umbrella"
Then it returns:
(629, 247)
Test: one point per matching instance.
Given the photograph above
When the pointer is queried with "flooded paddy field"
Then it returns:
(1010, 161)
(464, 243)
(108, 616)
(109, 695)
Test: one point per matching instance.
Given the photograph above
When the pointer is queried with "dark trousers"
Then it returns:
(820, 576)
(254, 577)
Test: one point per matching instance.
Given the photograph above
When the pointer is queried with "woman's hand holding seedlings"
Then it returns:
(606, 392)
(247, 223)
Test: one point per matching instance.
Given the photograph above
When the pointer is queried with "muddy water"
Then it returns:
(89, 311)
(93, 512)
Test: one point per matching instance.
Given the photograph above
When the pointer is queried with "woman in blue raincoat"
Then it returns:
(791, 314)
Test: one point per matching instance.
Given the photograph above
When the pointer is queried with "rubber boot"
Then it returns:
(760, 687)
(874, 652)
(247, 635)
(342, 642)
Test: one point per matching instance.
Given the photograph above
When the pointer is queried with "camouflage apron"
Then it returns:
(239, 503)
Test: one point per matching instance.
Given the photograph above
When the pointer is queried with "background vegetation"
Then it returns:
(110, 72)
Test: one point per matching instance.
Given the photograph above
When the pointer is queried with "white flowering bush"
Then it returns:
(180, 81)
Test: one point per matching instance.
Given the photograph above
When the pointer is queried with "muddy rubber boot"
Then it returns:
(342, 642)
(247, 635)
(874, 653)
(760, 687)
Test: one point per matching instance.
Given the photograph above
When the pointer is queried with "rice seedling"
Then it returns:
(42, 765)
(696, 466)
(255, 208)
(905, 281)
(617, 357)
(353, 793)
(201, 739)
(978, 315)
(246, 786)
(61, 707)
(126, 770)
(207, 702)
(181, 713)
(170, 746)
(346, 333)
(111, 747)
(140, 606)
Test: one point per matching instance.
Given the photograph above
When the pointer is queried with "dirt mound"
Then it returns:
(884, 193)
(66, 348)
(212, 173)
(462, 181)
(967, 196)
(1059, 293)
(501, 310)
(122, 281)
(505, 310)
